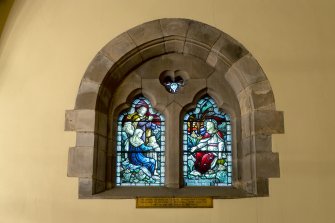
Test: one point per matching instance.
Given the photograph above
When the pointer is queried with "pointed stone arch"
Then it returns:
(214, 62)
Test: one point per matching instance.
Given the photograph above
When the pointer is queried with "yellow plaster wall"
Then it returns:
(46, 47)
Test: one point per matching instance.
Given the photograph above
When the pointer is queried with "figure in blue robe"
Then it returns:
(136, 149)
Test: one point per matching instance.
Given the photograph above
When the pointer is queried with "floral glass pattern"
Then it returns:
(140, 146)
(207, 137)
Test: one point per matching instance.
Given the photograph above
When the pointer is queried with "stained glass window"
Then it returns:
(140, 146)
(173, 85)
(207, 146)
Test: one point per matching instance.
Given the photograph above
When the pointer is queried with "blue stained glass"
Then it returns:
(206, 146)
(140, 150)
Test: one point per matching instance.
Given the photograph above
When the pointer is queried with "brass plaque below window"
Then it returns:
(174, 202)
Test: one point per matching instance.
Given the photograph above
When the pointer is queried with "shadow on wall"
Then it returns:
(5, 7)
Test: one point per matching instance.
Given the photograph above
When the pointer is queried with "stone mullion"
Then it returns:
(173, 146)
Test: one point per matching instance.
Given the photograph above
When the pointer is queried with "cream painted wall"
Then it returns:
(46, 47)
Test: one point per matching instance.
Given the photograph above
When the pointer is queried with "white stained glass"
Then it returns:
(152, 111)
(131, 111)
(185, 126)
(228, 127)
(120, 118)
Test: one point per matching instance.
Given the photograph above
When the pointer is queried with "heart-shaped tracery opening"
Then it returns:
(173, 81)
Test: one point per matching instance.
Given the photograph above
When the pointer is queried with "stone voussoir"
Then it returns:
(262, 96)
(146, 32)
(236, 80)
(249, 69)
(196, 50)
(127, 65)
(203, 33)
(119, 46)
(258, 96)
(229, 49)
(153, 51)
(87, 95)
(98, 68)
(175, 27)
(174, 46)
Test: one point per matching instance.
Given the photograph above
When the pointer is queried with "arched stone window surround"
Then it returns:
(213, 60)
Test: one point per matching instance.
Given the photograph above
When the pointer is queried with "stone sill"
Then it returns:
(134, 192)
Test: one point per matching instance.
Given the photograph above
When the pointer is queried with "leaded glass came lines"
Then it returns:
(207, 146)
(140, 146)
